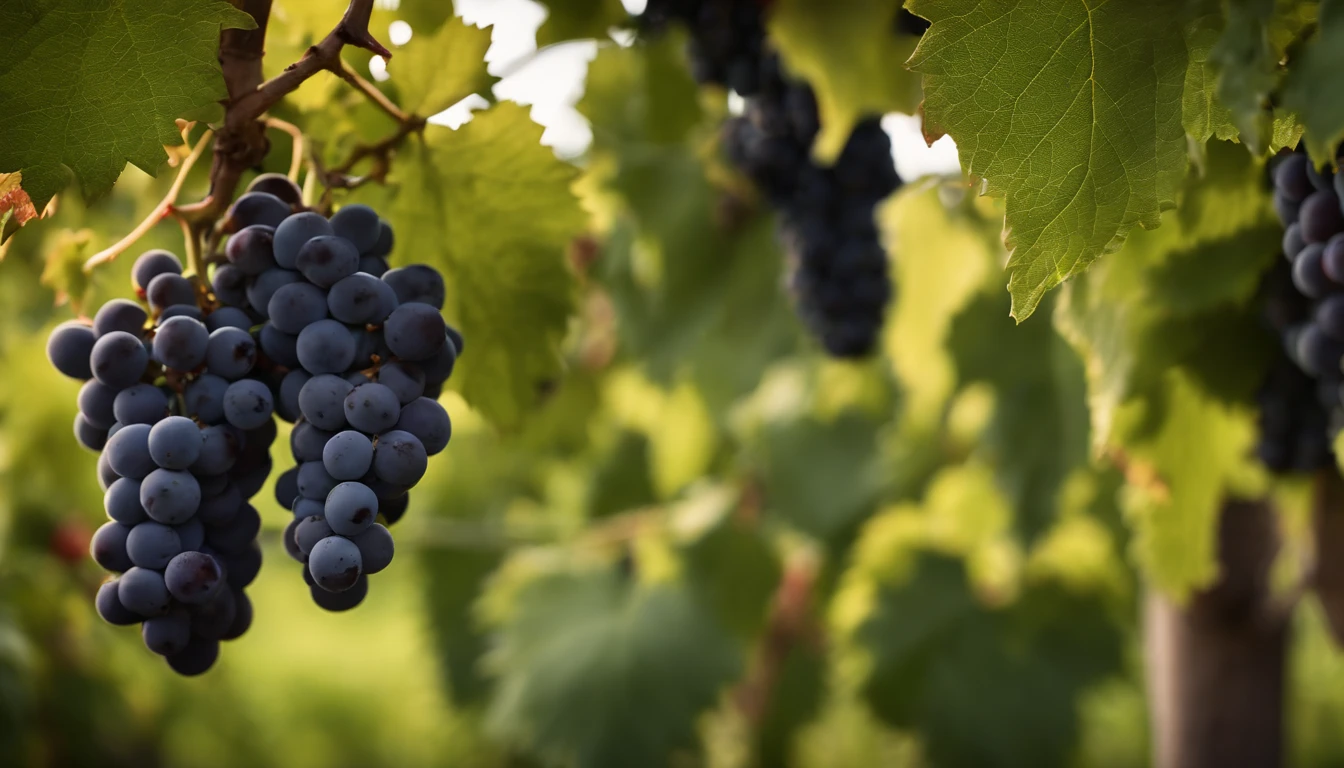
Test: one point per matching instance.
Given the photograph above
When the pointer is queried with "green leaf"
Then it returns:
(434, 72)
(824, 493)
(1070, 111)
(735, 572)
(492, 208)
(453, 579)
(596, 671)
(621, 481)
(640, 95)
(947, 667)
(580, 19)
(1248, 66)
(89, 86)
(1203, 115)
(850, 53)
(1307, 91)
(64, 270)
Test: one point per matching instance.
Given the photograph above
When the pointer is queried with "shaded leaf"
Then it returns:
(580, 19)
(1071, 112)
(1306, 89)
(64, 269)
(89, 86)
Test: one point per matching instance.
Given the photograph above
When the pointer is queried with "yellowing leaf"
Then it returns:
(1072, 112)
(848, 50)
(492, 208)
(88, 86)
(434, 72)
(14, 201)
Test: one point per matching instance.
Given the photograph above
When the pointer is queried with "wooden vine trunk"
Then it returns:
(1216, 665)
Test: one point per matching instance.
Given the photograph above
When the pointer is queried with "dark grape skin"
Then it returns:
(359, 224)
(69, 348)
(372, 408)
(175, 442)
(340, 601)
(1309, 274)
(280, 347)
(418, 283)
(198, 657)
(294, 232)
(393, 509)
(110, 608)
(96, 403)
(228, 317)
(230, 353)
(170, 496)
(169, 289)
(253, 209)
(89, 436)
(152, 545)
(140, 404)
(314, 482)
(128, 452)
(399, 458)
(248, 404)
(180, 343)
(361, 298)
(347, 455)
(326, 260)
(121, 501)
(1330, 317)
(429, 422)
(118, 359)
(259, 293)
(406, 381)
(376, 548)
(1316, 353)
(220, 509)
(307, 441)
(415, 331)
(193, 577)
(322, 400)
(229, 285)
(279, 185)
(241, 568)
(296, 306)
(326, 347)
(1320, 217)
(250, 250)
(309, 531)
(335, 563)
(1290, 177)
(169, 634)
(108, 546)
(287, 398)
(204, 398)
(144, 592)
(220, 448)
(1292, 241)
(150, 265)
(120, 315)
(242, 619)
(351, 508)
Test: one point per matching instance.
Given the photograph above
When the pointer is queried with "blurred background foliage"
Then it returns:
(668, 530)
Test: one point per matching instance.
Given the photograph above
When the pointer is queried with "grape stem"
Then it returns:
(161, 210)
(371, 92)
(296, 151)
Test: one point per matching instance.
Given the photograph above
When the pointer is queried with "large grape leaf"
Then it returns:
(435, 71)
(492, 208)
(1071, 111)
(579, 19)
(1306, 89)
(596, 671)
(1173, 348)
(1203, 114)
(851, 54)
(89, 86)
(946, 666)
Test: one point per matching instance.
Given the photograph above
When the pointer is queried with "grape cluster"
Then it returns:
(1304, 304)
(185, 440)
(303, 320)
(359, 354)
(838, 267)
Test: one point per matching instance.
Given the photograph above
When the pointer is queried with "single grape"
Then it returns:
(328, 259)
(314, 482)
(229, 285)
(294, 232)
(198, 657)
(121, 501)
(106, 475)
(399, 458)
(150, 265)
(96, 402)
(322, 401)
(348, 455)
(120, 315)
(168, 634)
(1292, 241)
(242, 618)
(180, 343)
(118, 359)
(376, 548)
(429, 422)
(212, 619)
(188, 311)
(386, 239)
(230, 353)
(228, 317)
(241, 568)
(326, 347)
(175, 442)
(1290, 178)
(417, 283)
(255, 209)
(361, 298)
(296, 306)
(335, 564)
(287, 403)
(292, 546)
(459, 343)
(304, 508)
(168, 290)
(250, 250)
(108, 546)
(69, 348)
(252, 477)
(152, 545)
(110, 608)
(407, 381)
(220, 448)
(350, 508)
(193, 577)
(128, 452)
(359, 224)
(372, 408)
(279, 185)
(340, 601)
(307, 441)
(204, 398)
(280, 347)
(1316, 353)
(248, 404)
(210, 484)
(373, 265)
(415, 331)
(261, 290)
(1320, 217)
(143, 591)
(309, 531)
(89, 436)
(170, 496)
(140, 404)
